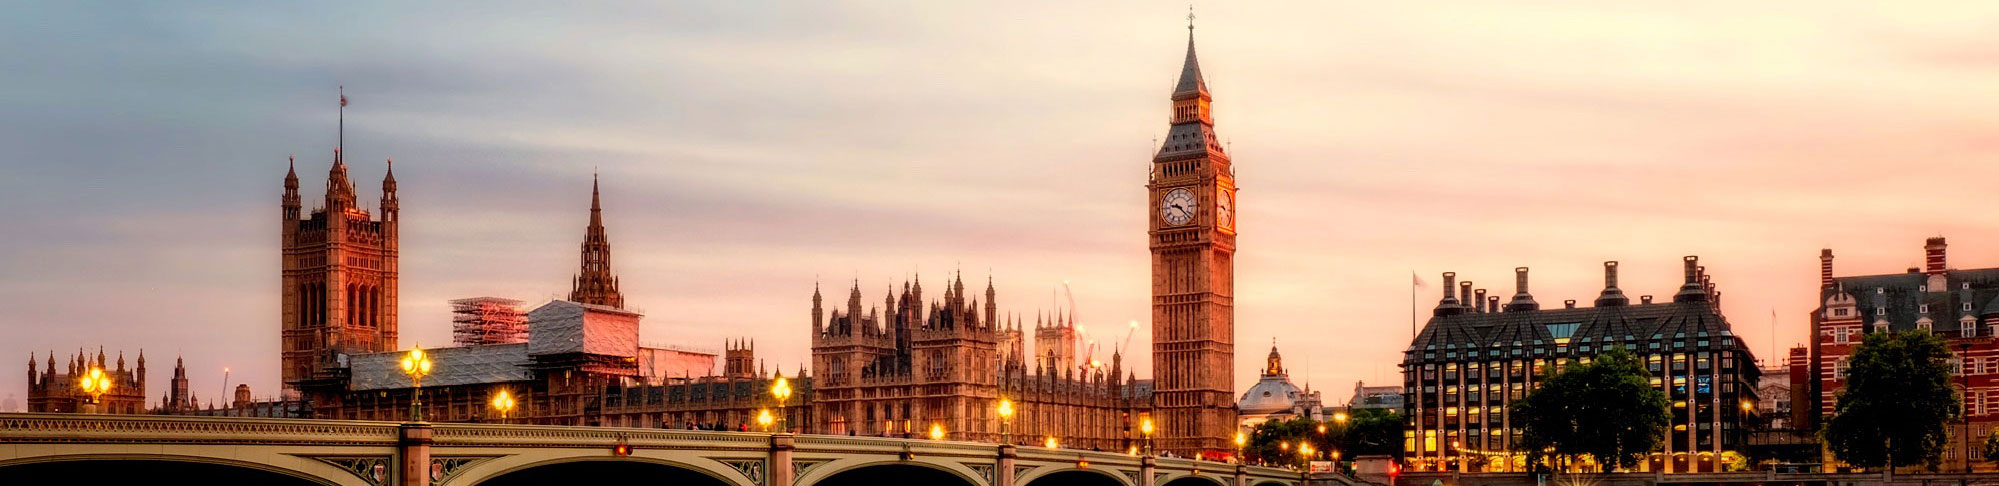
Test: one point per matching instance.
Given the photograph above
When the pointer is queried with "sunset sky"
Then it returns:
(749, 150)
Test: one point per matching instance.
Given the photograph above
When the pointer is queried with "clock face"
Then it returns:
(1225, 209)
(1178, 207)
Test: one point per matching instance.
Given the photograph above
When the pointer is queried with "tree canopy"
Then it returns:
(1365, 432)
(1896, 402)
(1606, 408)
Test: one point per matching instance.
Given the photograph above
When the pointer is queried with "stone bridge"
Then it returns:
(108, 449)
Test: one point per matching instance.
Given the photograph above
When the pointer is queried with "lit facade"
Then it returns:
(1475, 357)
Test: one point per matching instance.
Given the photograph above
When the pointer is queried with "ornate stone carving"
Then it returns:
(985, 471)
(442, 468)
(800, 466)
(751, 468)
(372, 469)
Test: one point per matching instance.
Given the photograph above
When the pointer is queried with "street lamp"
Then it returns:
(1145, 427)
(95, 384)
(1050, 443)
(936, 432)
(503, 402)
(763, 419)
(416, 365)
(1340, 417)
(1458, 454)
(1005, 414)
(781, 390)
(1305, 453)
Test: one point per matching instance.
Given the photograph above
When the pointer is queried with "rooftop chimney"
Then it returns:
(1691, 291)
(1933, 261)
(1492, 304)
(1449, 304)
(1612, 296)
(1644, 299)
(1478, 300)
(1825, 268)
(1569, 304)
(1464, 295)
(1522, 301)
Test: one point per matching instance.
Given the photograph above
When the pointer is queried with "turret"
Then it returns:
(290, 202)
(992, 302)
(389, 201)
(818, 312)
(339, 191)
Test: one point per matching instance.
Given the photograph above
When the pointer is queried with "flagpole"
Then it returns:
(1412, 306)
(341, 143)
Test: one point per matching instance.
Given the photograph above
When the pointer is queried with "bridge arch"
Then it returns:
(520, 468)
(846, 472)
(1190, 480)
(134, 468)
(1058, 476)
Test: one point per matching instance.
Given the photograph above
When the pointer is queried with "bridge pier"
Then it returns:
(1241, 474)
(413, 446)
(1007, 454)
(1146, 465)
(781, 470)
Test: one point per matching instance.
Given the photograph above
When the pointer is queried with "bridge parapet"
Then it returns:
(47, 428)
(365, 453)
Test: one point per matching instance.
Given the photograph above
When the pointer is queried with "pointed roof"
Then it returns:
(594, 283)
(1191, 84)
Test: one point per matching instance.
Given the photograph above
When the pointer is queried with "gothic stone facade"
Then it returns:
(339, 278)
(1192, 236)
(50, 390)
(1475, 358)
(903, 368)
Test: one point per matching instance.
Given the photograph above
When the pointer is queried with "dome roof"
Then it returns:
(1273, 393)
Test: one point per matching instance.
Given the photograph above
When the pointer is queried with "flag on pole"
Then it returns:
(343, 100)
(1417, 279)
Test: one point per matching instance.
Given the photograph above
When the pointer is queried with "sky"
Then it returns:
(750, 150)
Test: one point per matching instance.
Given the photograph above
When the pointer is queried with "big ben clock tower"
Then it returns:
(1192, 237)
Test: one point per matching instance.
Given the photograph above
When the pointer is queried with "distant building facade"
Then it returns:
(1959, 305)
(1375, 397)
(56, 391)
(1473, 359)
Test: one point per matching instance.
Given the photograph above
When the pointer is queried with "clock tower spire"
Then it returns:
(1192, 238)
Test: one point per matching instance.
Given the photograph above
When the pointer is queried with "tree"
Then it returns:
(1896, 402)
(1606, 409)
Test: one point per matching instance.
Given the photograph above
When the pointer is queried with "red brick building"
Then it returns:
(1962, 306)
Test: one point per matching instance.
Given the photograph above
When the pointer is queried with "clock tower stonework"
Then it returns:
(1192, 237)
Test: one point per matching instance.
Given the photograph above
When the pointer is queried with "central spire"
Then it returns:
(594, 283)
(1193, 132)
(1190, 85)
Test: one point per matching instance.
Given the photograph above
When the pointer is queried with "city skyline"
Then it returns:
(729, 189)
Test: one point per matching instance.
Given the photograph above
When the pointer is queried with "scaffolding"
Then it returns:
(487, 320)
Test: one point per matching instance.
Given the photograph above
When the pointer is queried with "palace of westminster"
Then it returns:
(907, 365)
